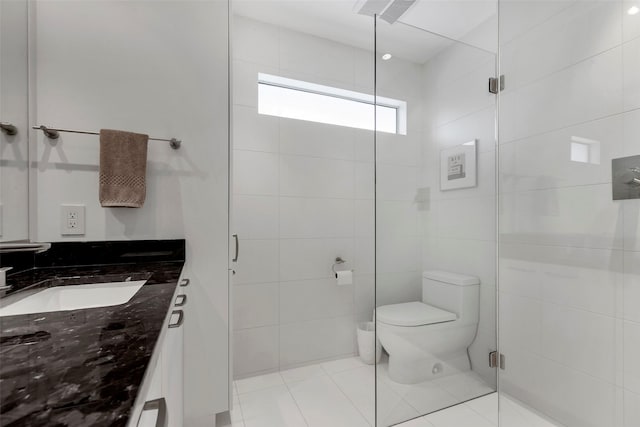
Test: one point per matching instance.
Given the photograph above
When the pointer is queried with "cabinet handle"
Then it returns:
(156, 405)
(235, 259)
(185, 282)
(180, 314)
(180, 300)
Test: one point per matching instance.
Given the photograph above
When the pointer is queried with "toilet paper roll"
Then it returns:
(344, 277)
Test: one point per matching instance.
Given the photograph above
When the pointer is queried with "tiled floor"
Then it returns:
(341, 393)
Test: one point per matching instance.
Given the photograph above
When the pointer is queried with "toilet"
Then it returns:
(429, 338)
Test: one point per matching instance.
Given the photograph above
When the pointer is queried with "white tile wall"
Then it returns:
(568, 266)
(303, 194)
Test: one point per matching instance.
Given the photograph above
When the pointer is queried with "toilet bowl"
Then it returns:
(429, 338)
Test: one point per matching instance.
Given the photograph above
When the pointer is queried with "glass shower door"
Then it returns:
(569, 253)
(435, 202)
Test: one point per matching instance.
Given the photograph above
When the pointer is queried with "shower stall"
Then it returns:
(431, 181)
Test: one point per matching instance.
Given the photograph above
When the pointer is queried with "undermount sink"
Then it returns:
(74, 297)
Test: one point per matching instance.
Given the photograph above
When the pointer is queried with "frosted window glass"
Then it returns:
(331, 108)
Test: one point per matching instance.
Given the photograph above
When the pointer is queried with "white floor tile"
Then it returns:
(342, 365)
(458, 416)
(464, 386)
(486, 406)
(323, 404)
(359, 387)
(417, 422)
(272, 407)
(345, 397)
(427, 397)
(260, 382)
(514, 414)
(303, 373)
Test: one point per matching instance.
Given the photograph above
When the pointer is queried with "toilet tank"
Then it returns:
(457, 293)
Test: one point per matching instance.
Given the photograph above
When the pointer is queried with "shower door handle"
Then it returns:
(235, 258)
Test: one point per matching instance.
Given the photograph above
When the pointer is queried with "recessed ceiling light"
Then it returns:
(633, 10)
(386, 56)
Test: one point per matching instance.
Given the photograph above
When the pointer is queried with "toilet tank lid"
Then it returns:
(453, 278)
(413, 313)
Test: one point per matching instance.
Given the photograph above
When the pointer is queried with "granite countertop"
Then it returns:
(82, 367)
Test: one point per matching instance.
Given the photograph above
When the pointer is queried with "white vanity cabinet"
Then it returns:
(163, 402)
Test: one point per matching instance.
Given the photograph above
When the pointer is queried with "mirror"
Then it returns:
(14, 129)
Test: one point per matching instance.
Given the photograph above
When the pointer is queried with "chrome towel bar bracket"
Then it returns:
(52, 133)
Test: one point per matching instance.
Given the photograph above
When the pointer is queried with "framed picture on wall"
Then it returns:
(458, 167)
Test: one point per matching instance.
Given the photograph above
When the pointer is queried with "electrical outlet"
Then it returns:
(72, 220)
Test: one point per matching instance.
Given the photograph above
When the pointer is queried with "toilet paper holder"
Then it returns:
(339, 261)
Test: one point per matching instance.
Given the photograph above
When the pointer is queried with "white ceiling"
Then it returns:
(427, 22)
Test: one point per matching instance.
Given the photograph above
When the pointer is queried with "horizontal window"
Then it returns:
(295, 99)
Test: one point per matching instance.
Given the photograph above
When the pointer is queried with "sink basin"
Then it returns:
(74, 297)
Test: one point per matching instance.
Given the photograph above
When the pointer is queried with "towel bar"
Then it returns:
(52, 133)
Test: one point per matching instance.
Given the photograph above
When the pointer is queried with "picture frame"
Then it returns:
(458, 166)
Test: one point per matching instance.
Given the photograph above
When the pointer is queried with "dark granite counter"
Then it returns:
(82, 367)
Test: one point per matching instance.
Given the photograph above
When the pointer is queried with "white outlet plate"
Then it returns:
(72, 220)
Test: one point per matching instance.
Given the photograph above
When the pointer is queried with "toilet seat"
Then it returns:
(414, 313)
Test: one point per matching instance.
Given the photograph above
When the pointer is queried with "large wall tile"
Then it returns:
(396, 182)
(398, 287)
(253, 131)
(311, 139)
(582, 30)
(631, 133)
(257, 261)
(631, 285)
(255, 41)
(575, 398)
(320, 218)
(564, 98)
(575, 216)
(316, 177)
(520, 323)
(255, 217)
(364, 290)
(302, 342)
(631, 212)
(314, 299)
(631, 74)
(398, 149)
(582, 278)
(255, 173)
(631, 409)
(397, 218)
(245, 81)
(580, 340)
(255, 305)
(397, 253)
(546, 161)
(306, 54)
(312, 258)
(632, 356)
(467, 218)
(255, 350)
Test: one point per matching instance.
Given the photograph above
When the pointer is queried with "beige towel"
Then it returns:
(123, 168)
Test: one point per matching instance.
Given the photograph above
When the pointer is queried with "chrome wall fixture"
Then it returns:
(626, 178)
(337, 262)
(8, 128)
(53, 133)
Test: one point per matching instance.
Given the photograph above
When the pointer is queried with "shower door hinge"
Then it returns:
(496, 84)
(496, 359)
